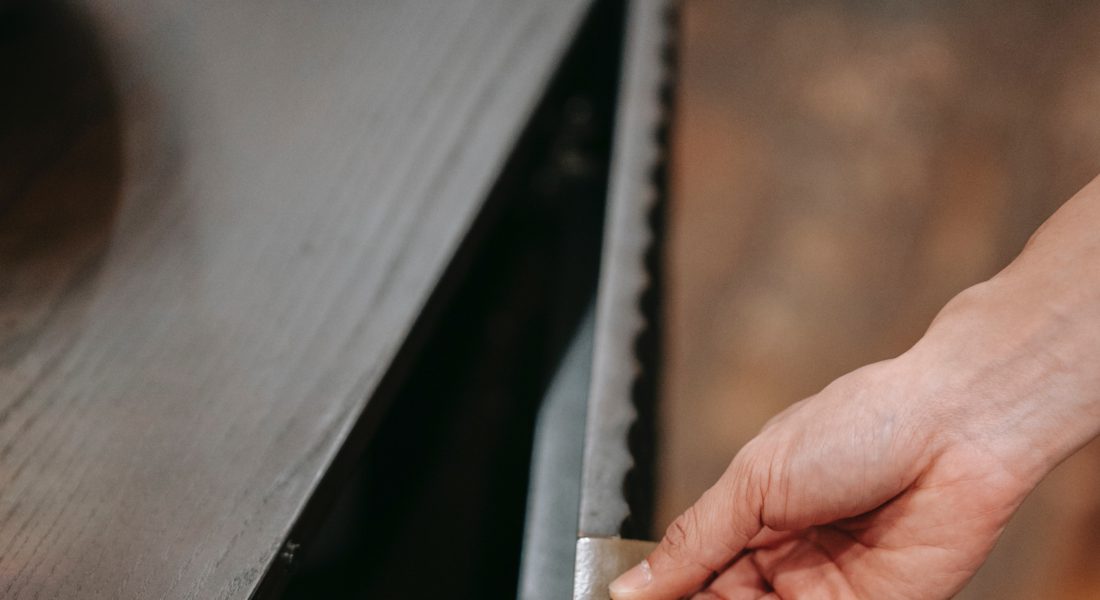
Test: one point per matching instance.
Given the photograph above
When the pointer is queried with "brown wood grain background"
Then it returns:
(841, 169)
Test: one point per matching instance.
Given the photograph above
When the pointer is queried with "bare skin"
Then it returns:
(895, 481)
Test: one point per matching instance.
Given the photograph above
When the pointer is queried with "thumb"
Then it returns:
(700, 542)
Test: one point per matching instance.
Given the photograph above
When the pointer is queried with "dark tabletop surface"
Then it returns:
(218, 222)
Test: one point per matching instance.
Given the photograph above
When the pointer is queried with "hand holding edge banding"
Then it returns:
(897, 479)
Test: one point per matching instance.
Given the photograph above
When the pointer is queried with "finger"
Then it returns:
(771, 537)
(741, 581)
(699, 543)
(710, 594)
(802, 569)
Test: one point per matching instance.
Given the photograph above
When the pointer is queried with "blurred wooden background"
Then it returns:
(841, 169)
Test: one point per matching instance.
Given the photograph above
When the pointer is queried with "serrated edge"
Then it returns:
(636, 191)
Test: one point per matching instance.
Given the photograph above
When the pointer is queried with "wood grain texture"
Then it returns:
(204, 275)
(841, 169)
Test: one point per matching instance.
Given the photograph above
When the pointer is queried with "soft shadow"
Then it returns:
(60, 163)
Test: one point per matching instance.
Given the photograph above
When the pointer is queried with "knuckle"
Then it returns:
(762, 478)
(684, 543)
(679, 534)
(755, 473)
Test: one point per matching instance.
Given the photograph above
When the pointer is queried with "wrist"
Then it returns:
(1011, 368)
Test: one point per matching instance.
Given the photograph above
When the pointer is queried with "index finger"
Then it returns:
(699, 543)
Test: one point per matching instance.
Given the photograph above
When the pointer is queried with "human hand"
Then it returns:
(896, 480)
(849, 494)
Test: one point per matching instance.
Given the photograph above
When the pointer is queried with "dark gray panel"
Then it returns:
(290, 180)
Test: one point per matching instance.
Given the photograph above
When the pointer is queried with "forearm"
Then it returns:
(1013, 363)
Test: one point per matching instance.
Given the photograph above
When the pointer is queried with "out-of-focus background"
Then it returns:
(841, 169)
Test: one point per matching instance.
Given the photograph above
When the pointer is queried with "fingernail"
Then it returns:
(633, 580)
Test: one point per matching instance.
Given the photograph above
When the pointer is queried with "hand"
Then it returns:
(849, 494)
(897, 479)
